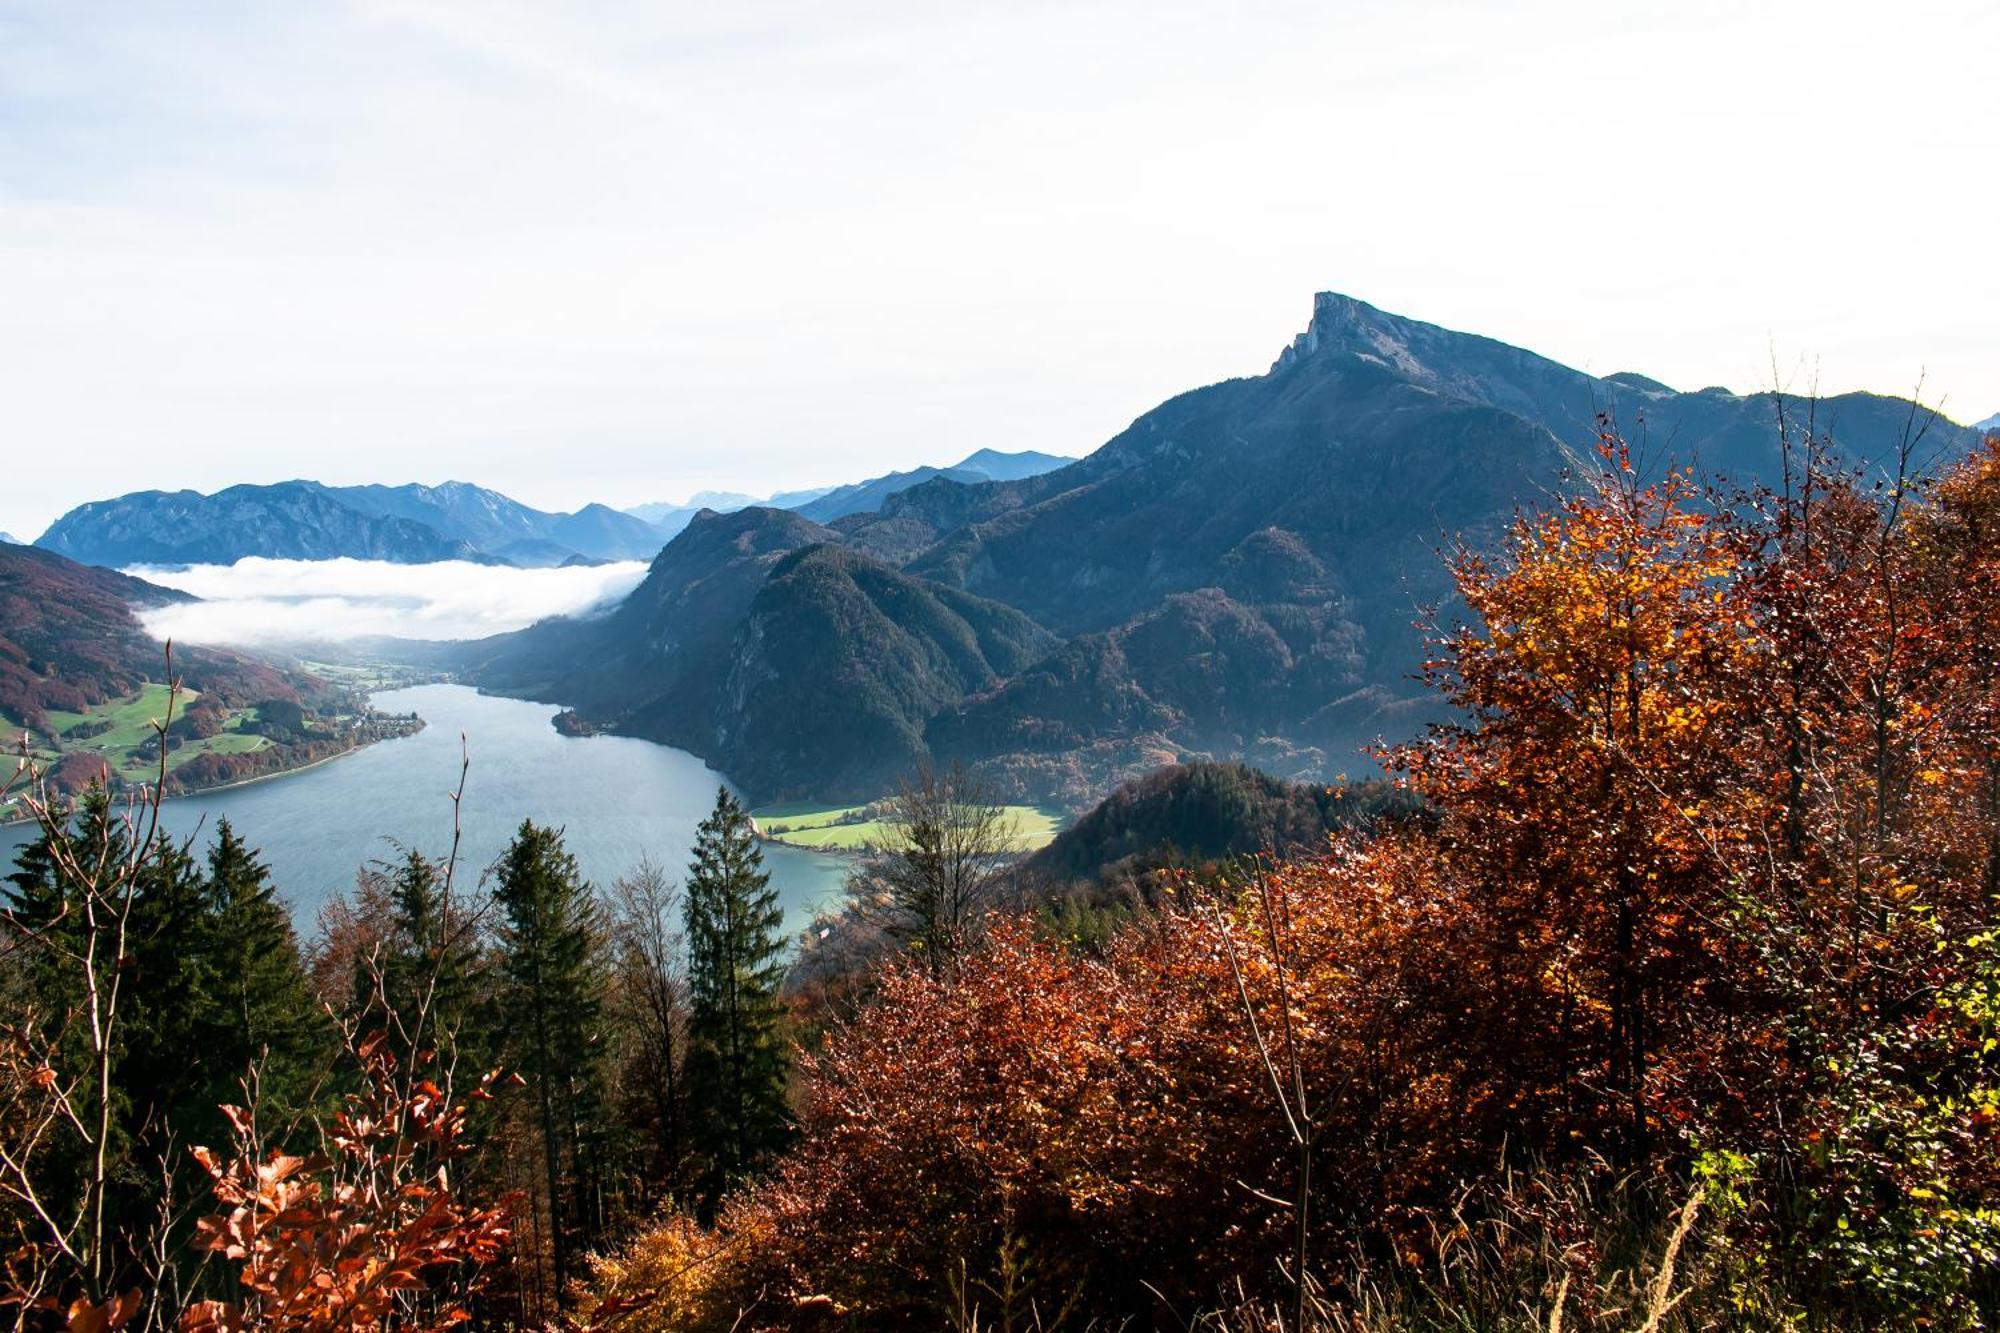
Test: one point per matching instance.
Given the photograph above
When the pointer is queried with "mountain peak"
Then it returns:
(1342, 323)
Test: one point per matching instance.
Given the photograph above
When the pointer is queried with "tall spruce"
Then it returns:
(208, 983)
(552, 958)
(263, 1013)
(738, 1060)
(431, 964)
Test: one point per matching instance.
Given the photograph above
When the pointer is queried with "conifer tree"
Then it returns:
(552, 957)
(430, 969)
(738, 1061)
(162, 1064)
(263, 1010)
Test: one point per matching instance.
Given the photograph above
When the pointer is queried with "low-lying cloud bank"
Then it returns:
(271, 602)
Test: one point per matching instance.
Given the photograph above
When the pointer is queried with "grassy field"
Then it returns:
(371, 675)
(848, 828)
(132, 726)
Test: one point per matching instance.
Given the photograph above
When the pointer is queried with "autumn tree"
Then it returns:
(376, 1232)
(738, 1060)
(931, 882)
(650, 1004)
(1597, 683)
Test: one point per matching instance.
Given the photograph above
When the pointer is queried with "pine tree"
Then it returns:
(431, 965)
(263, 1011)
(553, 961)
(738, 1059)
(158, 1088)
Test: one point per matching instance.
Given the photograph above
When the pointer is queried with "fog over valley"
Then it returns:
(256, 601)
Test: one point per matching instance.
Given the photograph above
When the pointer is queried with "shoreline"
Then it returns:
(844, 853)
(16, 820)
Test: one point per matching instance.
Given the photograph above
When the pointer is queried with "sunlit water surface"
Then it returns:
(617, 799)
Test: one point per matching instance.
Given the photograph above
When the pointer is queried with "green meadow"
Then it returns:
(853, 828)
(131, 726)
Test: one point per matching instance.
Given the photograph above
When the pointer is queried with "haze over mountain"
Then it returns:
(9, 539)
(304, 520)
(1237, 573)
(1991, 423)
(827, 503)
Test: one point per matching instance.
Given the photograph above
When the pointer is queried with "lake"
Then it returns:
(617, 799)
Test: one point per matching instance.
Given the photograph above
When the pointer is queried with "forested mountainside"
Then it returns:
(759, 643)
(1239, 573)
(1191, 816)
(80, 677)
(304, 520)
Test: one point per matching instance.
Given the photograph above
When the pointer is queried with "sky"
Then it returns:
(627, 251)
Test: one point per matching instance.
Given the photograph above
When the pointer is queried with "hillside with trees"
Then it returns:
(83, 681)
(1659, 994)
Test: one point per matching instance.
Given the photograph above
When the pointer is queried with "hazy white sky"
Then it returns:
(624, 251)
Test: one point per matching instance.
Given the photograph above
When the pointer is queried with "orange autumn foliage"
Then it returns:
(372, 1235)
(1711, 869)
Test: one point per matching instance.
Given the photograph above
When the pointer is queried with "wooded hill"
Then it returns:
(71, 641)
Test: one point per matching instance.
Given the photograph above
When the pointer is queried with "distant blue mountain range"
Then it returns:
(414, 524)
(862, 497)
(304, 520)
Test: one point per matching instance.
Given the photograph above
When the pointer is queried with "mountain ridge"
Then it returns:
(308, 520)
(1240, 572)
(826, 503)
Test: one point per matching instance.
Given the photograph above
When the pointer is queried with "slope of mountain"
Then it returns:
(304, 520)
(70, 639)
(493, 523)
(997, 466)
(1991, 423)
(9, 539)
(797, 666)
(840, 663)
(71, 643)
(1187, 814)
(655, 665)
(1237, 573)
(825, 503)
(866, 497)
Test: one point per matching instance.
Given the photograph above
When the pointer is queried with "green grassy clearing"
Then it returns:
(370, 676)
(847, 827)
(131, 725)
(131, 720)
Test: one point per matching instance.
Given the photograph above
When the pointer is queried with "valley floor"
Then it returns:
(856, 828)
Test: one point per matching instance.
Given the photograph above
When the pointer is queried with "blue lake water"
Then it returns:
(617, 800)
